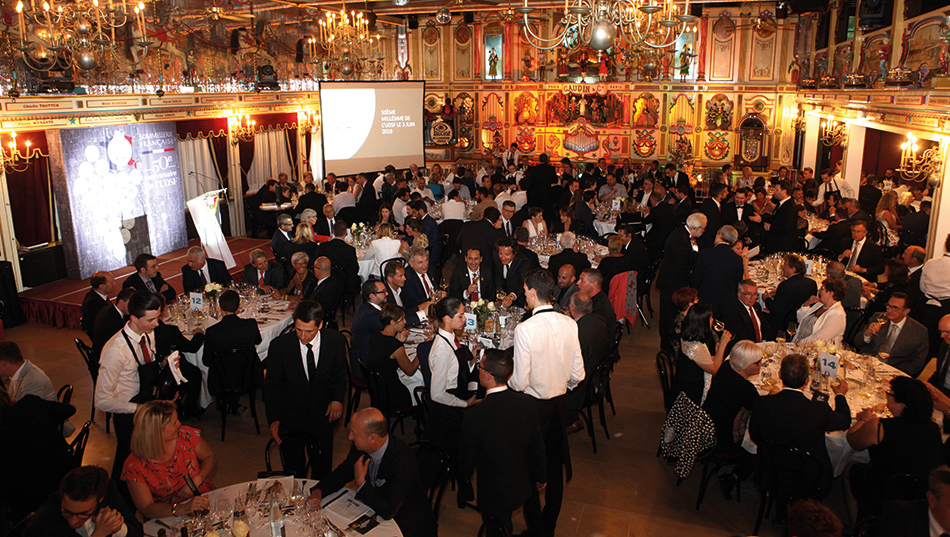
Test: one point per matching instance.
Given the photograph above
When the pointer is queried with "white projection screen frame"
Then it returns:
(368, 125)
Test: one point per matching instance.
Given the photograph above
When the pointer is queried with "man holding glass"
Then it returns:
(899, 340)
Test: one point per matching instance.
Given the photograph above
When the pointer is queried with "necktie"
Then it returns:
(146, 356)
(150, 286)
(201, 274)
(944, 368)
(474, 278)
(458, 344)
(372, 470)
(331, 226)
(504, 272)
(260, 279)
(508, 228)
(425, 283)
(755, 326)
(855, 250)
(311, 364)
(891, 336)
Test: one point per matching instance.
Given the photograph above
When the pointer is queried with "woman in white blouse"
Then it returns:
(535, 222)
(383, 248)
(452, 366)
(823, 317)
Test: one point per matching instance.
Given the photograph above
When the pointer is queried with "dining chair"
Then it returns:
(665, 368)
(77, 448)
(382, 400)
(434, 470)
(786, 473)
(231, 375)
(356, 385)
(595, 387)
(493, 528)
(269, 470)
(64, 395)
(643, 291)
(92, 364)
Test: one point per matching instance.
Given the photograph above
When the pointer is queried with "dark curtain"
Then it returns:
(29, 192)
(246, 149)
(219, 150)
(291, 137)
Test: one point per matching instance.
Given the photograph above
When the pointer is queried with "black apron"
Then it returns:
(155, 379)
(463, 355)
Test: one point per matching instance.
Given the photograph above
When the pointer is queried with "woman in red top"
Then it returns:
(163, 453)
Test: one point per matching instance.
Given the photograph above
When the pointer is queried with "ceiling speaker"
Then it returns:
(468, 17)
(413, 22)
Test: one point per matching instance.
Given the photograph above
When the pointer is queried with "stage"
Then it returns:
(59, 304)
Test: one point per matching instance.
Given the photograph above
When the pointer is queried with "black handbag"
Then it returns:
(156, 380)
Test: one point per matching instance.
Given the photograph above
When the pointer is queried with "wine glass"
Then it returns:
(719, 326)
(222, 512)
(500, 294)
(792, 330)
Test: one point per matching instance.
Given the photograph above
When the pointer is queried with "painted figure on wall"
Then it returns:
(604, 68)
(526, 62)
(686, 58)
(492, 64)
(885, 54)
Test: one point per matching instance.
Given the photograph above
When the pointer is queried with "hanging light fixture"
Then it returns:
(15, 160)
(241, 128)
(914, 167)
(834, 132)
(346, 38)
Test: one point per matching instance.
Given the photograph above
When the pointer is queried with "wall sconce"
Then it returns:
(912, 166)
(799, 121)
(834, 132)
(13, 159)
(308, 120)
(241, 128)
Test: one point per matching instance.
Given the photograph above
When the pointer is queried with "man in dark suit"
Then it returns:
(324, 226)
(789, 295)
(85, 495)
(280, 242)
(782, 227)
(663, 218)
(509, 271)
(311, 199)
(383, 471)
(790, 418)
(110, 320)
(366, 205)
(869, 194)
(304, 391)
(591, 283)
(916, 225)
(102, 283)
(568, 256)
(584, 214)
(366, 322)
(861, 254)
(837, 232)
(540, 178)
(147, 278)
(676, 269)
(420, 285)
(263, 273)
(743, 317)
(501, 436)
(472, 279)
(231, 333)
(683, 206)
(712, 208)
(904, 339)
(635, 252)
(596, 340)
(719, 270)
(920, 518)
(394, 274)
(739, 210)
(521, 237)
(430, 228)
(481, 234)
(201, 271)
(566, 287)
(328, 291)
(855, 212)
(343, 258)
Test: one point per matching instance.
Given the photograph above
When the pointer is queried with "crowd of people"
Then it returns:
(512, 409)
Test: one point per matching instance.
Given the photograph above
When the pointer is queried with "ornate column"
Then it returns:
(701, 47)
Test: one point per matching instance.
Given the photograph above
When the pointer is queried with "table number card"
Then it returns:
(470, 322)
(829, 364)
(616, 204)
(808, 266)
(197, 301)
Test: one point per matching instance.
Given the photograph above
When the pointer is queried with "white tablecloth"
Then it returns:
(605, 226)
(293, 526)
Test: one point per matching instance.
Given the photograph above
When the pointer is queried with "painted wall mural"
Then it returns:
(723, 43)
(719, 113)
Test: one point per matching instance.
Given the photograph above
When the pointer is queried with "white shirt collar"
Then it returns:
(375, 305)
(378, 454)
(915, 269)
(19, 371)
(541, 308)
(900, 325)
(447, 335)
(496, 389)
(104, 297)
(935, 529)
(131, 333)
(860, 243)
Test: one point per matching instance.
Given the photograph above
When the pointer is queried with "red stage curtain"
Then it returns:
(202, 128)
(30, 194)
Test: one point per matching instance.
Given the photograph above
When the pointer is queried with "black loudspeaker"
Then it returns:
(12, 314)
(468, 17)
(413, 22)
(874, 14)
(371, 20)
(696, 10)
(781, 11)
(807, 6)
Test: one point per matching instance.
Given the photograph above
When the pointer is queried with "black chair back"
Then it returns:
(664, 366)
(92, 363)
(65, 394)
(77, 448)
(785, 474)
(434, 470)
(231, 374)
(382, 266)
(493, 528)
(269, 469)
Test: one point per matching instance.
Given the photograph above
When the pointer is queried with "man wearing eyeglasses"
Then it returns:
(901, 341)
(744, 317)
(86, 504)
(940, 378)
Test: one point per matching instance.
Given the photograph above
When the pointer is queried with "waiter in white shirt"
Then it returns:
(548, 362)
(511, 156)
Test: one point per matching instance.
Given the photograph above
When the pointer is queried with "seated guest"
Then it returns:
(482, 233)
(310, 199)
(568, 255)
(343, 258)
(33, 453)
(282, 237)
(535, 223)
(365, 322)
(822, 317)
(614, 262)
(394, 274)
(567, 222)
(783, 302)
(921, 517)
(414, 238)
(471, 280)
(266, 275)
(229, 333)
(385, 216)
(566, 287)
(309, 217)
(22, 377)
(87, 504)
(200, 271)
(521, 237)
(731, 393)
(301, 284)
(110, 320)
(147, 278)
(743, 317)
(808, 518)
(509, 272)
(789, 417)
(902, 339)
(102, 283)
(861, 254)
(584, 213)
(454, 207)
(908, 443)
(387, 354)
(596, 341)
(384, 473)
(683, 299)
(590, 283)
(501, 437)
(328, 291)
(421, 286)
(940, 379)
(897, 274)
(853, 284)
(324, 226)
(304, 242)
(163, 452)
(701, 353)
(384, 247)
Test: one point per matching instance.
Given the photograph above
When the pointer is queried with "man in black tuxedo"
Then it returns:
(869, 194)
(837, 232)
(231, 333)
(328, 291)
(591, 283)
(383, 471)
(683, 206)
(481, 234)
(343, 258)
(920, 518)
(102, 283)
(366, 205)
(743, 317)
(472, 279)
(394, 274)
(712, 208)
(420, 285)
(201, 271)
(509, 271)
(789, 295)
(147, 278)
(916, 225)
(263, 273)
(596, 340)
(110, 320)
(311, 199)
(584, 213)
(324, 226)
(635, 251)
(676, 269)
(280, 242)
(501, 436)
(782, 227)
(739, 210)
(521, 237)
(366, 322)
(541, 177)
(862, 255)
(791, 418)
(568, 256)
(914, 257)
(85, 495)
(663, 218)
(304, 391)
(719, 270)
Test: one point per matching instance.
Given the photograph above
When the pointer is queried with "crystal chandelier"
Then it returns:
(834, 132)
(602, 24)
(349, 45)
(914, 165)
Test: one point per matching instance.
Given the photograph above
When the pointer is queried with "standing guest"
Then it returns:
(304, 391)
(730, 393)
(117, 389)
(501, 437)
(147, 278)
(712, 208)
(661, 218)
(547, 362)
(164, 453)
(366, 202)
(789, 417)
(23, 377)
(87, 504)
(743, 317)
(365, 322)
(902, 339)
(566, 286)
(785, 300)
(916, 225)
(230, 333)
(869, 194)
(782, 226)
(676, 269)
(595, 340)
(280, 242)
(266, 275)
(614, 262)
(102, 283)
(682, 205)
(383, 472)
(509, 271)
(328, 291)
(387, 355)
(861, 255)
(302, 283)
(719, 270)
(481, 234)
(701, 353)
(822, 317)
(200, 271)
(471, 280)
(567, 255)
(342, 256)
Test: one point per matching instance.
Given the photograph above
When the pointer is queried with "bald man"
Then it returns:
(941, 376)
(329, 290)
(566, 285)
(103, 284)
(200, 271)
(383, 471)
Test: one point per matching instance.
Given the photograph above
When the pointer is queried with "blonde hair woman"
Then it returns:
(164, 453)
(886, 214)
(384, 247)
